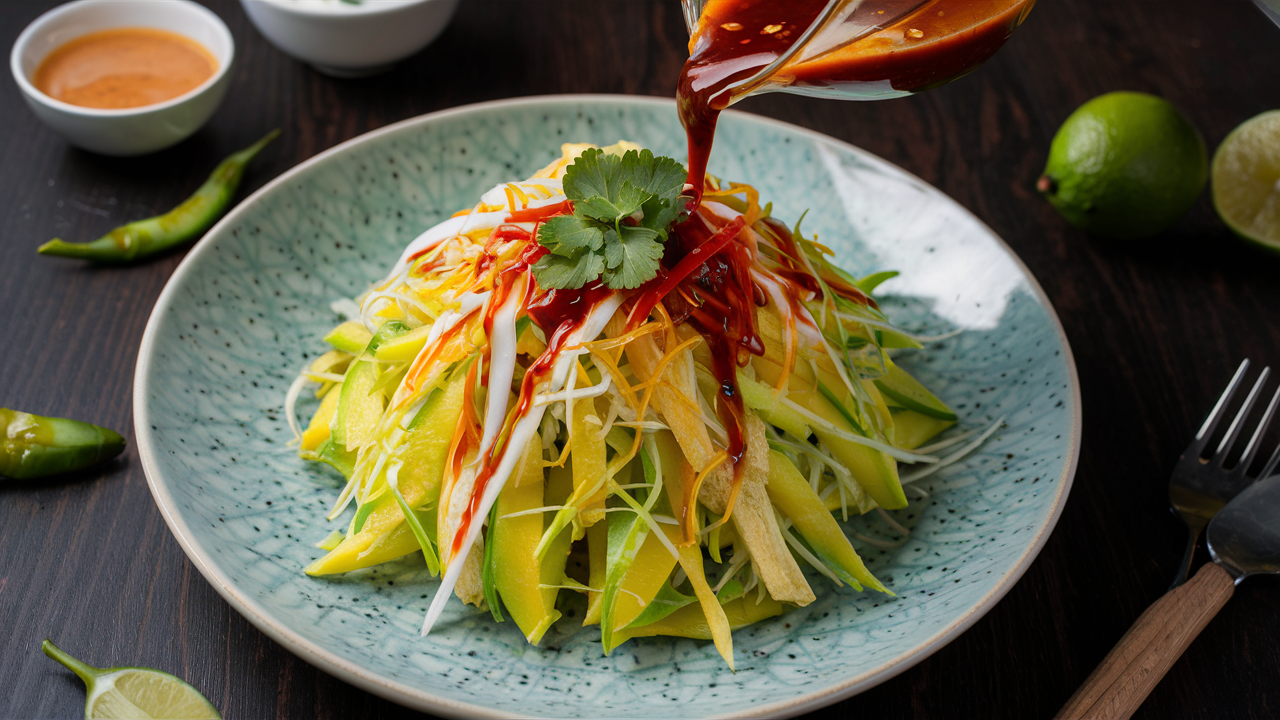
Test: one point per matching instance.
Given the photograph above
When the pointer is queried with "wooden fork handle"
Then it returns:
(1155, 642)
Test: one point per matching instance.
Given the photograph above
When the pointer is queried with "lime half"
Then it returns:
(134, 693)
(1246, 180)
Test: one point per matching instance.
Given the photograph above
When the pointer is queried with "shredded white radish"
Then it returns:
(898, 527)
(450, 228)
(882, 544)
(944, 444)
(954, 457)
(735, 564)
(649, 520)
(571, 394)
(532, 511)
(579, 588)
(502, 362)
(809, 557)
(615, 404)
(651, 450)
(919, 492)
(634, 595)
(644, 426)
(883, 325)
(886, 448)
(370, 306)
(345, 307)
(291, 404)
(524, 429)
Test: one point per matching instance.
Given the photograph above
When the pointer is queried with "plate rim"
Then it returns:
(417, 698)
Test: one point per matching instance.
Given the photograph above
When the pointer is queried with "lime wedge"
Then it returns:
(1246, 180)
(134, 693)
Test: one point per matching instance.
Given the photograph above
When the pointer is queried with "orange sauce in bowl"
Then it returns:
(124, 68)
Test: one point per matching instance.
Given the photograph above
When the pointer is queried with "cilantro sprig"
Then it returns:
(622, 210)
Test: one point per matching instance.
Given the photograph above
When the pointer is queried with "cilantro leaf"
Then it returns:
(623, 208)
(631, 257)
(609, 188)
(659, 176)
(559, 272)
(597, 184)
(569, 235)
(660, 212)
(621, 204)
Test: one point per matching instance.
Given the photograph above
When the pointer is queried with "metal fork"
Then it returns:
(1200, 487)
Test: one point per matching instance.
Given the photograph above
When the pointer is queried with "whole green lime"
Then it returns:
(1125, 165)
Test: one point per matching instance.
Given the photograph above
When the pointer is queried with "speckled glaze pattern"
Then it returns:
(248, 306)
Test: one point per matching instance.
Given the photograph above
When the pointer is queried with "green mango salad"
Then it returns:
(604, 381)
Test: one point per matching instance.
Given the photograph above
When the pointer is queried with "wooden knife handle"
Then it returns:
(1155, 642)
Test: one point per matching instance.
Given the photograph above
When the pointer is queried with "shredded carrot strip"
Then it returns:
(610, 343)
(550, 172)
(753, 205)
(610, 364)
(685, 295)
(564, 455)
(455, 340)
(465, 437)
(730, 191)
(688, 517)
(789, 362)
(540, 213)
(671, 336)
(524, 199)
(734, 489)
(822, 248)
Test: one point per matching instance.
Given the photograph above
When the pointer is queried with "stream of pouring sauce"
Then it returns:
(706, 275)
(705, 278)
(736, 39)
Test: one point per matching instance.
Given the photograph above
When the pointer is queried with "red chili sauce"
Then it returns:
(558, 313)
(931, 45)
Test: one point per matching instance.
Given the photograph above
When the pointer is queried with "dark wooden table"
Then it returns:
(1157, 328)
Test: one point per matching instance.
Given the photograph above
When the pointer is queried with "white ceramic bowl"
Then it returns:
(128, 131)
(347, 39)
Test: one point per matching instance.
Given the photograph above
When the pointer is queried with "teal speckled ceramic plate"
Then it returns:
(250, 303)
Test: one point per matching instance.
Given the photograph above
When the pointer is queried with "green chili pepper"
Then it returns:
(146, 237)
(32, 446)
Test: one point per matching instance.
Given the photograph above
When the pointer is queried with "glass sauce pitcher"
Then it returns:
(846, 49)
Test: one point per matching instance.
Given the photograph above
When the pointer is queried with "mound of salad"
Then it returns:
(602, 380)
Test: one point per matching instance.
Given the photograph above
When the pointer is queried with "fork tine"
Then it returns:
(1211, 422)
(1237, 423)
(1271, 464)
(1250, 450)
